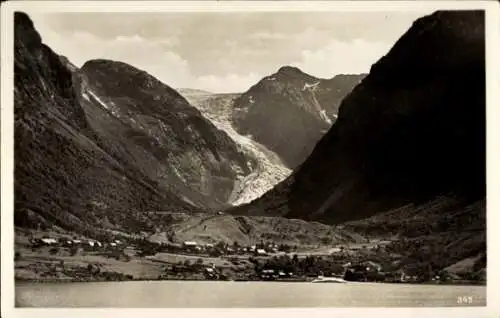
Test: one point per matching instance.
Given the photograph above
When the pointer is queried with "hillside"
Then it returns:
(412, 130)
(210, 228)
(91, 157)
(268, 169)
(444, 233)
(291, 105)
(164, 135)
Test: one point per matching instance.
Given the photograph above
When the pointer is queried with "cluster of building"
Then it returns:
(67, 242)
(257, 250)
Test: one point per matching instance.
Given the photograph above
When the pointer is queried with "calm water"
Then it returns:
(241, 294)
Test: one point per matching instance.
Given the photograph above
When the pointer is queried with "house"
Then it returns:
(48, 241)
(268, 274)
(261, 251)
(372, 266)
(190, 245)
(335, 250)
(210, 273)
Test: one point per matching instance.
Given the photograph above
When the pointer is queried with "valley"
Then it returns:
(269, 169)
(297, 174)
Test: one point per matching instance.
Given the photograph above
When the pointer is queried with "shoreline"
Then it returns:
(63, 281)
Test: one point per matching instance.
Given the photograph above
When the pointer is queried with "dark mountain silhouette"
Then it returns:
(412, 130)
(406, 156)
(184, 151)
(289, 111)
(94, 156)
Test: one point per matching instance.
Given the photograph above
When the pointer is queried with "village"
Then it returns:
(190, 260)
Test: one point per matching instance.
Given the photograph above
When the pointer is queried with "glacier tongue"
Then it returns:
(269, 171)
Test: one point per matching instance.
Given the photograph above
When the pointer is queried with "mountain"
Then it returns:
(291, 105)
(96, 147)
(412, 130)
(177, 146)
(268, 169)
(405, 160)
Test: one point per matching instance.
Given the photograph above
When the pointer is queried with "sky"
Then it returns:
(226, 52)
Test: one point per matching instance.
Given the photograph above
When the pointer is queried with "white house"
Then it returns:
(261, 251)
(48, 241)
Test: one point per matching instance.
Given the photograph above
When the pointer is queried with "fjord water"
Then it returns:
(205, 294)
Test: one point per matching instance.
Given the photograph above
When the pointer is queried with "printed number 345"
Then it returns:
(464, 300)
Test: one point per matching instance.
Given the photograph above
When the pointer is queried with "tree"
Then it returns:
(73, 250)
(54, 250)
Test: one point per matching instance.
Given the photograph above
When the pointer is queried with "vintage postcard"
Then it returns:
(314, 157)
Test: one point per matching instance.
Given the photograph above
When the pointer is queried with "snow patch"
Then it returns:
(94, 96)
(324, 116)
(321, 111)
(310, 86)
(86, 96)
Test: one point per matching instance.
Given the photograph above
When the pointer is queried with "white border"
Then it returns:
(493, 130)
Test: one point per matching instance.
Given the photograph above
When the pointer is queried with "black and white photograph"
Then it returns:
(223, 155)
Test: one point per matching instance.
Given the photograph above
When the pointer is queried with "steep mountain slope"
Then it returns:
(172, 143)
(412, 130)
(405, 160)
(96, 156)
(291, 106)
(62, 176)
(268, 169)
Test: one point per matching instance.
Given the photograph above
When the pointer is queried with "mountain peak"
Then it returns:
(290, 70)
(25, 31)
(22, 19)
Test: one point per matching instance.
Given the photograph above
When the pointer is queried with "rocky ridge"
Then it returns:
(291, 105)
